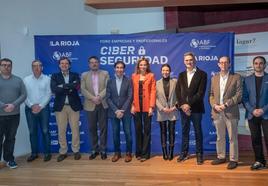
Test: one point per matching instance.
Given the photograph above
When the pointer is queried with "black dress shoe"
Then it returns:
(61, 157)
(232, 165)
(93, 155)
(182, 157)
(143, 159)
(199, 159)
(257, 166)
(31, 158)
(138, 157)
(77, 156)
(47, 157)
(218, 161)
(103, 155)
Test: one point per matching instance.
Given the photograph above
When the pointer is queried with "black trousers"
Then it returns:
(8, 130)
(143, 134)
(256, 125)
(170, 126)
(186, 121)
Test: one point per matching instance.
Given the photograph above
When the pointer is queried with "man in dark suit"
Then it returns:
(67, 106)
(255, 100)
(119, 98)
(190, 91)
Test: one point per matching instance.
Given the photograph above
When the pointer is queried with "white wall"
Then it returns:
(20, 20)
(130, 20)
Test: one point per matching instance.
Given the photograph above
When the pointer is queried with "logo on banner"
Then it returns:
(141, 51)
(128, 54)
(194, 43)
(64, 43)
(203, 44)
(57, 55)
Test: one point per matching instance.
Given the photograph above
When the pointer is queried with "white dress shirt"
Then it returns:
(38, 90)
(66, 80)
(190, 75)
(223, 81)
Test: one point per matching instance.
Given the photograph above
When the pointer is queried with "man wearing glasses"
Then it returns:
(93, 87)
(225, 95)
(12, 94)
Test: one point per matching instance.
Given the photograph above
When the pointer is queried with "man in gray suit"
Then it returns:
(93, 87)
(225, 95)
(119, 98)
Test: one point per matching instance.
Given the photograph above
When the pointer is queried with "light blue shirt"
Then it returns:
(118, 83)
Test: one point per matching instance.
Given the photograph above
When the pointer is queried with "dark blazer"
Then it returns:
(123, 100)
(62, 89)
(249, 95)
(194, 95)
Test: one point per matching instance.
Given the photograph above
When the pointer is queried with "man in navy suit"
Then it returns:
(119, 98)
(67, 106)
(190, 91)
(255, 100)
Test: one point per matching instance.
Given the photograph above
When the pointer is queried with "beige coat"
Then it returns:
(161, 101)
(232, 95)
(88, 92)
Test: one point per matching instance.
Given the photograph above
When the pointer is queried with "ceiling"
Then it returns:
(112, 4)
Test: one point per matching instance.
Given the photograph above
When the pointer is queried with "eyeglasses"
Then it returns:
(35, 66)
(223, 63)
(6, 65)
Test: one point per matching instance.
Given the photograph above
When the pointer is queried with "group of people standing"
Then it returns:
(120, 98)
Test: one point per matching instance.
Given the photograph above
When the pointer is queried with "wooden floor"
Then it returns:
(155, 171)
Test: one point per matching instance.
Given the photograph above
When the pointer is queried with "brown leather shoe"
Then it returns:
(116, 157)
(2, 165)
(128, 157)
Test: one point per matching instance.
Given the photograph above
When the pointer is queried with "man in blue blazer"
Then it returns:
(190, 92)
(255, 100)
(67, 106)
(119, 98)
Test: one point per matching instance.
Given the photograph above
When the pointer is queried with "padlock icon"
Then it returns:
(141, 51)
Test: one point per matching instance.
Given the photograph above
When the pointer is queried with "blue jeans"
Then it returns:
(8, 130)
(126, 122)
(196, 119)
(41, 119)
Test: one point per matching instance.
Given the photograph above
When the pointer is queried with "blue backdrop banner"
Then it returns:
(158, 48)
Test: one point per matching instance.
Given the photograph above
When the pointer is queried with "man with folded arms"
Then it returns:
(67, 106)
